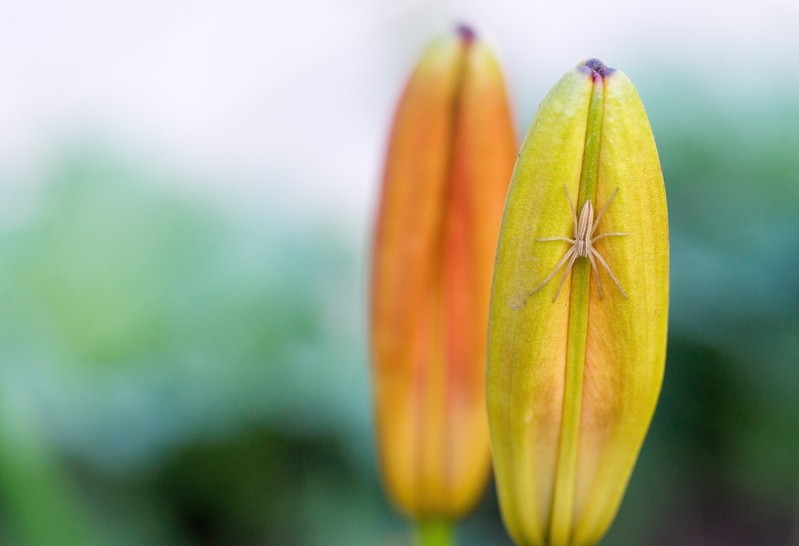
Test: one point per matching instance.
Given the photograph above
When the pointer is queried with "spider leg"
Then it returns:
(565, 273)
(571, 207)
(572, 241)
(607, 268)
(569, 254)
(599, 217)
(613, 234)
(596, 272)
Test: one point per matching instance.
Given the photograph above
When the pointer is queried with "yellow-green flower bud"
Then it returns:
(578, 318)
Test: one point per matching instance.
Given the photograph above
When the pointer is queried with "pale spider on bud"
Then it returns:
(583, 245)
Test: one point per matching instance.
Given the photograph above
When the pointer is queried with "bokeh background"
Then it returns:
(187, 190)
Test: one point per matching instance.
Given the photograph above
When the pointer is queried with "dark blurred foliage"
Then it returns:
(172, 372)
(185, 377)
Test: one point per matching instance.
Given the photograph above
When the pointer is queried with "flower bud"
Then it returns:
(577, 333)
(449, 162)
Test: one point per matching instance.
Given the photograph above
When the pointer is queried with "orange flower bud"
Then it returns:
(449, 162)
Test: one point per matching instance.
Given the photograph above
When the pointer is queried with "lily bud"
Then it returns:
(449, 162)
(577, 333)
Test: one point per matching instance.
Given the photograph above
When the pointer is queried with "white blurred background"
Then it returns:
(306, 89)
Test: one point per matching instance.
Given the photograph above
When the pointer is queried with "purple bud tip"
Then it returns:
(466, 33)
(596, 68)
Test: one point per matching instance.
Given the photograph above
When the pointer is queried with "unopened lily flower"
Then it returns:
(577, 334)
(449, 162)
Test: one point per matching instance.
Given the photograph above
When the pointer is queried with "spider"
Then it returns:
(582, 245)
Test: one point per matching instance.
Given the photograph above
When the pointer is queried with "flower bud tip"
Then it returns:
(596, 68)
(466, 33)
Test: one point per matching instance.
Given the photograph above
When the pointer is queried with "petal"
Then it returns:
(626, 344)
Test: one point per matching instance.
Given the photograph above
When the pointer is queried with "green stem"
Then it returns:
(434, 532)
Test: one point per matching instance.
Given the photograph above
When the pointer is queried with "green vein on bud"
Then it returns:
(566, 471)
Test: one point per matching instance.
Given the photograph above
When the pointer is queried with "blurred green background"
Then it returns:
(182, 367)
